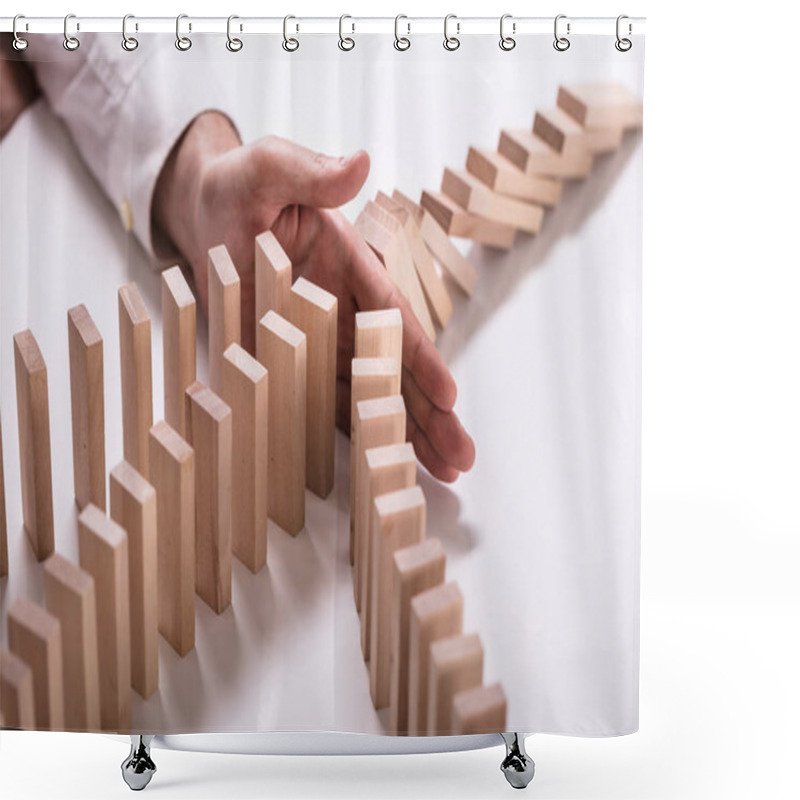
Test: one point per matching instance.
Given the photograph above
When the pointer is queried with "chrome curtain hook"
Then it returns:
(129, 43)
(451, 42)
(507, 42)
(290, 44)
(401, 42)
(70, 42)
(623, 44)
(561, 43)
(183, 43)
(346, 42)
(233, 44)
(18, 42)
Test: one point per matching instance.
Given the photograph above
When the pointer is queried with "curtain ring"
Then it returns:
(290, 44)
(346, 43)
(623, 45)
(183, 43)
(70, 42)
(18, 42)
(401, 42)
(561, 43)
(233, 44)
(129, 43)
(507, 42)
(451, 42)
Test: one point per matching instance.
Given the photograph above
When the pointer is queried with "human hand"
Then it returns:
(18, 87)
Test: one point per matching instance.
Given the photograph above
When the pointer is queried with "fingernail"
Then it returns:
(345, 161)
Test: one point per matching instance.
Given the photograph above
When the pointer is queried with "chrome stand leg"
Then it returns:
(517, 766)
(138, 768)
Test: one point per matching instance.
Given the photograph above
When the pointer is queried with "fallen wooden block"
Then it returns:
(457, 221)
(567, 137)
(224, 311)
(601, 105)
(398, 522)
(315, 312)
(16, 693)
(504, 177)
(88, 409)
(33, 418)
(282, 349)
(70, 598)
(211, 427)
(3, 532)
(456, 664)
(179, 311)
(103, 546)
(435, 614)
(479, 710)
(134, 508)
(535, 157)
(137, 378)
(245, 388)
(415, 569)
(273, 277)
(172, 476)
(34, 635)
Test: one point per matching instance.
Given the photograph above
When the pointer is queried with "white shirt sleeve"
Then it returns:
(126, 110)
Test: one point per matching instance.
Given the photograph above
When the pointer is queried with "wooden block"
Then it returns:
(245, 388)
(134, 507)
(3, 532)
(567, 137)
(535, 157)
(70, 598)
(16, 692)
(601, 105)
(224, 311)
(137, 378)
(379, 334)
(172, 476)
(315, 312)
(282, 349)
(504, 177)
(456, 664)
(414, 570)
(34, 635)
(470, 193)
(273, 277)
(103, 546)
(398, 522)
(457, 221)
(384, 466)
(435, 614)
(479, 710)
(212, 437)
(179, 311)
(88, 408)
(33, 418)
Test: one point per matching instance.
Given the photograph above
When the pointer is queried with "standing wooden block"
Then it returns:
(35, 637)
(33, 418)
(133, 506)
(281, 348)
(137, 377)
(16, 692)
(88, 408)
(315, 312)
(179, 311)
(414, 570)
(273, 277)
(435, 614)
(535, 157)
(601, 105)
(384, 467)
(173, 478)
(3, 533)
(479, 710)
(567, 137)
(211, 429)
(456, 665)
(457, 221)
(103, 547)
(499, 174)
(70, 598)
(224, 311)
(379, 334)
(245, 388)
(398, 522)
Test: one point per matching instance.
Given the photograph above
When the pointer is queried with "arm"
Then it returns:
(18, 88)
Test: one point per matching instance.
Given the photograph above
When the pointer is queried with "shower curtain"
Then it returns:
(492, 196)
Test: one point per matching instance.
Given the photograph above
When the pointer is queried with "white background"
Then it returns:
(720, 598)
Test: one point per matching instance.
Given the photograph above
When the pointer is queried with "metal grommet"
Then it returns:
(183, 43)
(129, 43)
(290, 44)
(561, 43)
(451, 42)
(507, 42)
(70, 42)
(623, 44)
(18, 43)
(233, 44)
(401, 43)
(346, 43)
